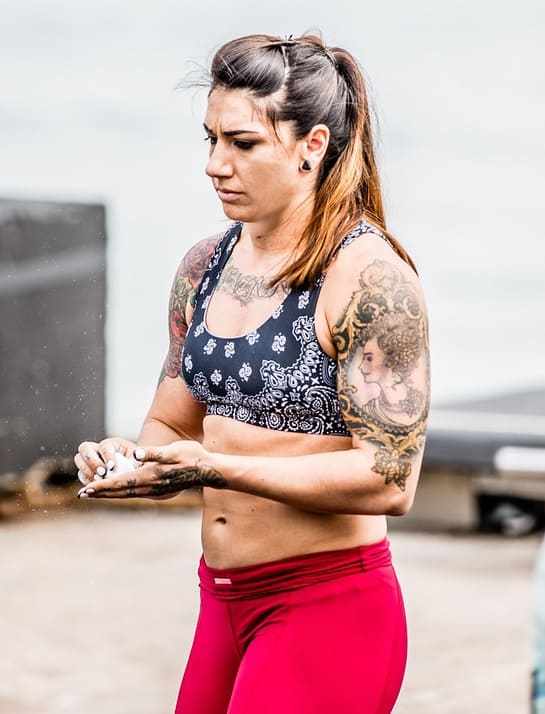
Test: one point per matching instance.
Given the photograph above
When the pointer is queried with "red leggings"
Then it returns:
(319, 633)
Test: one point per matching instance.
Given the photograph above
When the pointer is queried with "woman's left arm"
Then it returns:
(380, 328)
(379, 325)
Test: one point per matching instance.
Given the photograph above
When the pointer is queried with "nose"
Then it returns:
(218, 164)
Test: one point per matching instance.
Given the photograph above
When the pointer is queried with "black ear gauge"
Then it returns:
(305, 166)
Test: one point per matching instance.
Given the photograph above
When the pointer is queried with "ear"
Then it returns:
(316, 143)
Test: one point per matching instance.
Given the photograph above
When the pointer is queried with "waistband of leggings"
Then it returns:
(293, 572)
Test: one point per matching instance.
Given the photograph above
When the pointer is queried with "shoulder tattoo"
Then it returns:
(182, 294)
(383, 376)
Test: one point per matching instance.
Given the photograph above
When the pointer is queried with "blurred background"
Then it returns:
(102, 191)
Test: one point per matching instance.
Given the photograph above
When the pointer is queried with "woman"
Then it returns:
(295, 393)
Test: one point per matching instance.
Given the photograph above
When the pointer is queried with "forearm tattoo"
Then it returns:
(246, 287)
(175, 480)
(383, 375)
(165, 481)
(182, 294)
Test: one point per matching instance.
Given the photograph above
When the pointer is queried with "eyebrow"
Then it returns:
(233, 132)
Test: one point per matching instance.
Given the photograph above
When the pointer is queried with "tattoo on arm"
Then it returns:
(383, 376)
(182, 294)
(175, 480)
(167, 482)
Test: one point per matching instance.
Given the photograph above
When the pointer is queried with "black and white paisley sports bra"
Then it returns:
(276, 376)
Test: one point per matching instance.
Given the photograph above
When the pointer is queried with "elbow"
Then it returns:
(399, 505)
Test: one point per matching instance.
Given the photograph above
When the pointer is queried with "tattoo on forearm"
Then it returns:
(246, 287)
(176, 480)
(166, 482)
(384, 368)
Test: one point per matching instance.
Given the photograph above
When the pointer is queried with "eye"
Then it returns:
(244, 145)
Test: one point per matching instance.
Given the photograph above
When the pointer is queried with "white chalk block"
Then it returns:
(123, 464)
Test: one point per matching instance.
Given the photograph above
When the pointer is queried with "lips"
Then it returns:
(228, 196)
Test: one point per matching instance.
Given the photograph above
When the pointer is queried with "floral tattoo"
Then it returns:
(183, 294)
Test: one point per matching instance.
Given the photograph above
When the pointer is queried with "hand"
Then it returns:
(94, 460)
(165, 471)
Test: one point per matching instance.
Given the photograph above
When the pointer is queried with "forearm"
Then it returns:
(330, 482)
(156, 432)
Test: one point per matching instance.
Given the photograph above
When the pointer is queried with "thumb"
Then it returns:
(160, 454)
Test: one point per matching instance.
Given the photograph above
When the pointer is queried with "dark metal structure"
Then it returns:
(52, 347)
(468, 433)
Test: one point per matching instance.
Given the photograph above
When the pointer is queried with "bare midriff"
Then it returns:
(242, 529)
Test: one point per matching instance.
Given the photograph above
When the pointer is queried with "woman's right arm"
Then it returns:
(174, 414)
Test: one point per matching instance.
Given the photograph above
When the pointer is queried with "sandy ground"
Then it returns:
(98, 608)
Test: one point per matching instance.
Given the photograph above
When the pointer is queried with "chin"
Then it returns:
(237, 213)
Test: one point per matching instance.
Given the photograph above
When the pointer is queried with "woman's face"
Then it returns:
(264, 172)
(372, 363)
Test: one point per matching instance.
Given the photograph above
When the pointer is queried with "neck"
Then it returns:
(275, 236)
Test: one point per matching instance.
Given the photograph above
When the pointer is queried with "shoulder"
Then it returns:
(189, 275)
(197, 259)
(367, 267)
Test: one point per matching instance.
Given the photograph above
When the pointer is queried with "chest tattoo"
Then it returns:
(247, 287)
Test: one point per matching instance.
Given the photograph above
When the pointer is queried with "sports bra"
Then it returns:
(276, 376)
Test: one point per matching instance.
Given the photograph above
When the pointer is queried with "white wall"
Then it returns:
(88, 111)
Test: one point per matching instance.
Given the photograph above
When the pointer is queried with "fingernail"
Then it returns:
(101, 471)
(81, 476)
(97, 477)
(89, 490)
(139, 453)
(110, 464)
(83, 495)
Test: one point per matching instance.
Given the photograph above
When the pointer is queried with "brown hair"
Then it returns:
(316, 85)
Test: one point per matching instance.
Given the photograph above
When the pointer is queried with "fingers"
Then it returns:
(94, 460)
(107, 450)
(160, 454)
(126, 486)
(150, 480)
(88, 461)
(91, 454)
(167, 454)
(84, 474)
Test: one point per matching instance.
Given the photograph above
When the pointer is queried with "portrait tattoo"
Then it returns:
(383, 376)
(183, 293)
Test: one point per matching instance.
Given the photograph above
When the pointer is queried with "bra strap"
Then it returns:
(360, 229)
(215, 264)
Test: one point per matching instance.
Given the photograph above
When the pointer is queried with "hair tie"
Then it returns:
(290, 41)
